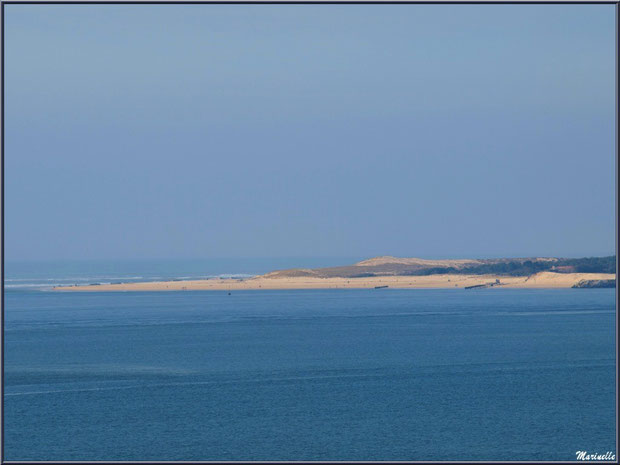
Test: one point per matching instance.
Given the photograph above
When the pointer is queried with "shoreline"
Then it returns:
(543, 280)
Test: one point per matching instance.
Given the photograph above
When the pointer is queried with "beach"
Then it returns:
(543, 280)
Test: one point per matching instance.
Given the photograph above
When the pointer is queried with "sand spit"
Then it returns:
(543, 280)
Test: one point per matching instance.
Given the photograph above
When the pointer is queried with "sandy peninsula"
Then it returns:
(543, 280)
(403, 273)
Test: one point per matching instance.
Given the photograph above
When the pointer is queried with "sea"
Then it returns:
(329, 375)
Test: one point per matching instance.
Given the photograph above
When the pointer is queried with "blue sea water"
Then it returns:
(494, 374)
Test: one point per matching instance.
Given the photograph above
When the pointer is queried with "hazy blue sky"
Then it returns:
(309, 130)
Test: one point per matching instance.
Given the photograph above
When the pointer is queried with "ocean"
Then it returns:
(379, 374)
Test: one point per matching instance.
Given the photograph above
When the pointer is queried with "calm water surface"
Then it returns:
(310, 375)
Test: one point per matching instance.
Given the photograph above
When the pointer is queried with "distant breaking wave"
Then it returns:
(49, 283)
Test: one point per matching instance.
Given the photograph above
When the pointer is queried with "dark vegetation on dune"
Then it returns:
(529, 267)
(595, 284)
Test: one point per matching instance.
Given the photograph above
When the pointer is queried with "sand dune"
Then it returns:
(415, 261)
(396, 266)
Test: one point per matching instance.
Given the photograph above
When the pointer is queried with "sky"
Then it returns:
(197, 131)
